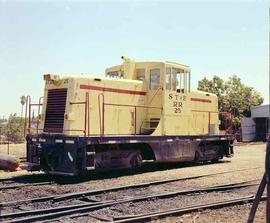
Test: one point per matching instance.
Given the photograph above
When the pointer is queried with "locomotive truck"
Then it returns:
(139, 111)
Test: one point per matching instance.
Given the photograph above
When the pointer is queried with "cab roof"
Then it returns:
(173, 64)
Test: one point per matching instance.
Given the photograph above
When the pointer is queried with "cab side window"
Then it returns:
(177, 80)
(140, 74)
(181, 82)
(154, 79)
(174, 80)
(171, 79)
(168, 78)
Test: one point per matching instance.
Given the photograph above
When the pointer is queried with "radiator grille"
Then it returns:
(55, 111)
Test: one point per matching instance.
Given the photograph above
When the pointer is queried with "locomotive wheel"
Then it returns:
(136, 161)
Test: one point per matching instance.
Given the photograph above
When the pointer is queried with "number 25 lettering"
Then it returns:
(177, 110)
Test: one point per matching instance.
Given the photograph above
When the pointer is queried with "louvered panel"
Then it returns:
(55, 111)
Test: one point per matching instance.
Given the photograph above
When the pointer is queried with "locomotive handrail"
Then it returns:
(138, 106)
(29, 105)
(39, 104)
(28, 109)
(86, 114)
(28, 99)
(128, 105)
(159, 88)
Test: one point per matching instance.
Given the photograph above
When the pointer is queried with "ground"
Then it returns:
(248, 158)
(15, 149)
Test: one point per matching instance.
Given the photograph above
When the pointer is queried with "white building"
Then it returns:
(256, 128)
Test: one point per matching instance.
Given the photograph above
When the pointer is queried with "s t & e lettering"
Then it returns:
(177, 102)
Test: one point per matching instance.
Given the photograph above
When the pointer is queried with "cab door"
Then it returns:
(176, 109)
(154, 99)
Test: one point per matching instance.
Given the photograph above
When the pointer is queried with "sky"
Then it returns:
(70, 37)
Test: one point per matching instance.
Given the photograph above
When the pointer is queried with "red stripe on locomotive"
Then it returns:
(201, 100)
(115, 90)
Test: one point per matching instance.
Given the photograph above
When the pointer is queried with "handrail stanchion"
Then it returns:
(29, 118)
(88, 114)
(28, 101)
(29, 113)
(39, 104)
(135, 119)
(101, 116)
(25, 117)
(209, 121)
(85, 114)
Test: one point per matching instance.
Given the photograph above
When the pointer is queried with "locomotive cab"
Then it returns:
(172, 108)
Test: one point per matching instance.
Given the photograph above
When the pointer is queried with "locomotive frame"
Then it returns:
(76, 155)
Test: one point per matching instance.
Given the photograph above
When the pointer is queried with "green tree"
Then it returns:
(216, 86)
(240, 98)
(2, 129)
(233, 96)
(14, 129)
(23, 101)
(2, 126)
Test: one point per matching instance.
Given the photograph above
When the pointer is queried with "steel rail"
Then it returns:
(93, 192)
(55, 212)
(24, 185)
(180, 211)
(112, 189)
(131, 186)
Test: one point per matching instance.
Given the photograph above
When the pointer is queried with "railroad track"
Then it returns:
(14, 186)
(79, 209)
(180, 211)
(38, 178)
(66, 196)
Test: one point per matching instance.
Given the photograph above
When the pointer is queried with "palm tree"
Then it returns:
(23, 100)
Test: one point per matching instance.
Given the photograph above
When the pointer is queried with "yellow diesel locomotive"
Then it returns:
(139, 111)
